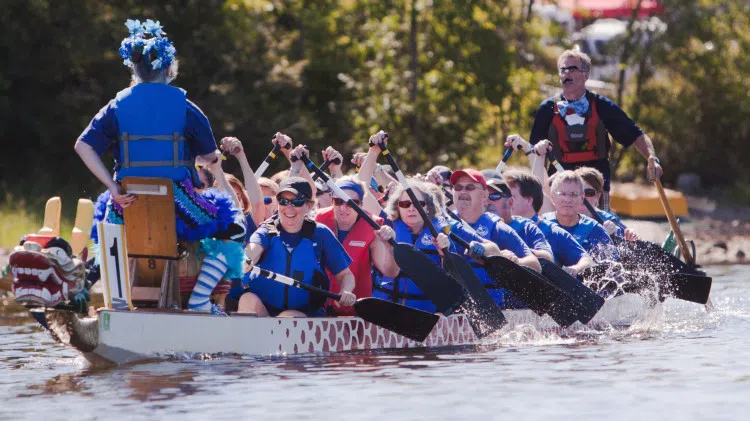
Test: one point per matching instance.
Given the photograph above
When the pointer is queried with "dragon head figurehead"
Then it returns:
(45, 272)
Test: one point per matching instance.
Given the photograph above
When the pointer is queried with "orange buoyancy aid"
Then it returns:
(357, 245)
(580, 142)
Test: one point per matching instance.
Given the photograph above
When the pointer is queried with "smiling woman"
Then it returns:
(293, 245)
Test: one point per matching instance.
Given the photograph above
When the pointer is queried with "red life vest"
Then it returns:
(579, 143)
(357, 245)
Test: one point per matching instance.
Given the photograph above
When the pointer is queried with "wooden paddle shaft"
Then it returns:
(673, 222)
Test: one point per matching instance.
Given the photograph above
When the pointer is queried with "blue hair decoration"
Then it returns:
(146, 40)
(351, 185)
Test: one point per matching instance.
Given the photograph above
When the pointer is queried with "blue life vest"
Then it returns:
(301, 264)
(485, 227)
(401, 289)
(580, 231)
(151, 119)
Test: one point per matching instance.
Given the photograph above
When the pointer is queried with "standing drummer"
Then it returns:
(578, 123)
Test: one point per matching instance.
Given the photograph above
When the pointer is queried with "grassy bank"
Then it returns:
(18, 218)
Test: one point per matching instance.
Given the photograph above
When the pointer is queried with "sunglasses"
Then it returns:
(589, 192)
(467, 187)
(406, 204)
(338, 202)
(297, 203)
(497, 196)
(267, 200)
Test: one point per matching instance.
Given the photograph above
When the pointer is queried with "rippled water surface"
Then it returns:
(686, 364)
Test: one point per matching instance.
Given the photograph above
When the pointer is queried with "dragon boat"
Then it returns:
(144, 319)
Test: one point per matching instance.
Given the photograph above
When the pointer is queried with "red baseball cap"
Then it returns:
(471, 173)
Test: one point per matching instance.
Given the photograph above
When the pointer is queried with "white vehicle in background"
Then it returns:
(595, 40)
(600, 41)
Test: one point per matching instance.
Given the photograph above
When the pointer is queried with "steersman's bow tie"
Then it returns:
(579, 106)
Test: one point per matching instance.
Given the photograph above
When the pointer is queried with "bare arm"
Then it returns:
(298, 168)
(381, 254)
(530, 262)
(646, 148)
(95, 165)
(254, 251)
(253, 189)
(583, 263)
(542, 254)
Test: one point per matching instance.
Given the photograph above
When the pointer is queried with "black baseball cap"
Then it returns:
(497, 185)
(298, 186)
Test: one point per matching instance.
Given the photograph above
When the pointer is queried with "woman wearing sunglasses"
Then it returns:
(367, 247)
(298, 247)
(593, 182)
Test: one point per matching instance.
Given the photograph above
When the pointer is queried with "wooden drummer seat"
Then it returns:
(151, 237)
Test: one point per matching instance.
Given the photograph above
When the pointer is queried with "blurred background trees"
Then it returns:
(447, 80)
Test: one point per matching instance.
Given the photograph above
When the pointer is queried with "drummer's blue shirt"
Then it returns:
(103, 131)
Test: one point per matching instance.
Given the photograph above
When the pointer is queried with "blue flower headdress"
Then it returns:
(146, 40)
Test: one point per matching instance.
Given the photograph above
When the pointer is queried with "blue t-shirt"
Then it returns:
(490, 227)
(103, 132)
(335, 258)
(618, 124)
(530, 234)
(591, 235)
(565, 248)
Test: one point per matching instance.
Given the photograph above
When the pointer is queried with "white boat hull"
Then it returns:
(122, 337)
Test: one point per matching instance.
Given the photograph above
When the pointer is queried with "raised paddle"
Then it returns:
(325, 166)
(267, 161)
(441, 289)
(489, 317)
(409, 322)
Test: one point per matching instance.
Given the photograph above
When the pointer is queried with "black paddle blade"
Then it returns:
(434, 282)
(406, 321)
(689, 287)
(527, 286)
(577, 300)
(485, 316)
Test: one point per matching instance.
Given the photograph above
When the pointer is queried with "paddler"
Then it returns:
(470, 194)
(366, 247)
(578, 123)
(593, 183)
(527, 202)
(157, 132)
(296, 246)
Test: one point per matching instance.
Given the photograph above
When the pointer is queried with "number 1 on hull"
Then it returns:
(114, 263)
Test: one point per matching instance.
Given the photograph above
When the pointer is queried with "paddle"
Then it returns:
(409, 322)
(444, 292)
(676, 282)
(490, 317)
(270, 157)
(560, 295)
(325, 166)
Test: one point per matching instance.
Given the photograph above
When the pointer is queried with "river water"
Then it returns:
(685, 364)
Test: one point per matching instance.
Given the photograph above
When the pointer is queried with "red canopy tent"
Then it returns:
(585, 9)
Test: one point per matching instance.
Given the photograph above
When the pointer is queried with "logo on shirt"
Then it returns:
(426, 240)
(357, 243)
(483, 230)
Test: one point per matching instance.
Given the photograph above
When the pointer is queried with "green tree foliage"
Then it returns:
(694, 101)
(327, 72)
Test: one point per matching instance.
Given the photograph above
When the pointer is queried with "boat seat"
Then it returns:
(151, 237)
